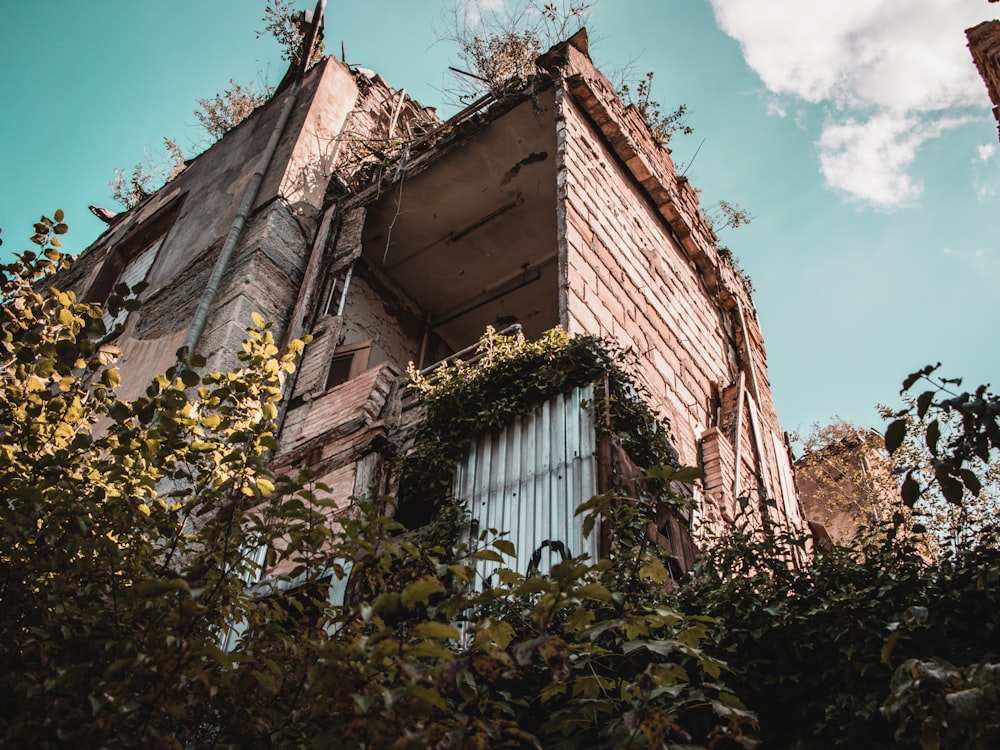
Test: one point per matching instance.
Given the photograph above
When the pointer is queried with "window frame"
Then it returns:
(359, 354)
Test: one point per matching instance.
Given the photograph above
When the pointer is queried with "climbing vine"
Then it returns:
(507, 378)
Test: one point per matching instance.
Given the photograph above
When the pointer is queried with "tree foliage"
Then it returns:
(876, 644)
(223, 112)
(127, 556)
(124, 524)
(844, 638)
(284, 24)
(932, 423)
(135, 614)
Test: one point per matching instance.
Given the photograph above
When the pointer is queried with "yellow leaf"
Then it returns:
(436, 630)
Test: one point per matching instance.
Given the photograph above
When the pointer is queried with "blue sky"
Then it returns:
(857, 134)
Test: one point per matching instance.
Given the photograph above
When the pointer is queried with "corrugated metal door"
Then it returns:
(530, 478)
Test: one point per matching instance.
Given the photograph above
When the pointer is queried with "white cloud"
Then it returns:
(986, 189)
(877, 65)
(474, 9)
(868, 159)
(775, 109)
(985, 180)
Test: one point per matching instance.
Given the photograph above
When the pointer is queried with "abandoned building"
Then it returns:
(345, 210)
(847, 484)
(984, 44)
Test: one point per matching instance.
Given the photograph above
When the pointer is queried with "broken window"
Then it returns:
(348, 362)
(130, 260)
(134, 273)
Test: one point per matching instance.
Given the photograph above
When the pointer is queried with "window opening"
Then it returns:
(348, 362)
(135, 271)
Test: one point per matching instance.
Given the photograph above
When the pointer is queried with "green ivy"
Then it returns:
(508, 377)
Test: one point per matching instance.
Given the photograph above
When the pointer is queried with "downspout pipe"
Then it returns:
(232, 238)
(253, 188)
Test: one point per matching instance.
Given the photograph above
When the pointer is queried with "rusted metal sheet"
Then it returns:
(529, 479)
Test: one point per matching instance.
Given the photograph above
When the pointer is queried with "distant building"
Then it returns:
(391, 236)
(847, 484)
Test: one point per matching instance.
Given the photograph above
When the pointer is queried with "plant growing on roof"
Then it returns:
(284, 24)
(497, 46)
(663, 126)
(147, 176)
(223, 112)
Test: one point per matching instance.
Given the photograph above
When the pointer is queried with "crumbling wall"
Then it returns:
(379, 126)
(627, 280)
(376, 314)
(339, 435)
(192, 215)
(641, 267)
(984, 44)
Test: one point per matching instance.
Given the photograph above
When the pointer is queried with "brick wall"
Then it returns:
(641, 267)
(984, 44)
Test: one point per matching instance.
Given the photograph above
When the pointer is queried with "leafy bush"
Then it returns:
(127, 537)
(854, 648)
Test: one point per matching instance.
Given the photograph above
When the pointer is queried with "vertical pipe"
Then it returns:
(232, 238)
(343, 293)
(253, 188)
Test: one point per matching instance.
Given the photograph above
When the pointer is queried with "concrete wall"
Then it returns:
(193, 214)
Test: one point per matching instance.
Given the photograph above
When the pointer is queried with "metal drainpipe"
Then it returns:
(250, 196)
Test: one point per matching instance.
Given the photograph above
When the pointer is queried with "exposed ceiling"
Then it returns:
(471, 238)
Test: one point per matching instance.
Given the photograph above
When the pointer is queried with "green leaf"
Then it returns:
(932, 437)
(594, 591)
(887, 648)
(266, 679)
(913, 377)
(487, 555)
(910, 490)
(190, 378)
(951, 487)
(426, 695)
(159, 586)
(924, 403)
(971, 481)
